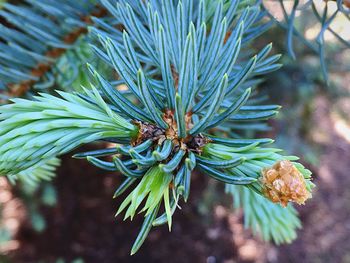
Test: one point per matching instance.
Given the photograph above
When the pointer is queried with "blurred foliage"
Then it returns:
(71, 72)
(78, 260)
(307, 22)
(35, 197)
(316, 38)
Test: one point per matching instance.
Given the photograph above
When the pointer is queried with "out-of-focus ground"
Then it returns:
(326, 218)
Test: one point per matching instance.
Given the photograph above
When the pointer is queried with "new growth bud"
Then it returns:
(283, 183)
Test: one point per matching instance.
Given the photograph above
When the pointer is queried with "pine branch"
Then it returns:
(35, 35)
(259, 164)
(34, 132)
(188, 76)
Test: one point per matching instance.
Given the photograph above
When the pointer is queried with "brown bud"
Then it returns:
(346, 3)
(283, 183)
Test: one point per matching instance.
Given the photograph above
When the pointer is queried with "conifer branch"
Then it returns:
(187, 79)
(42, 31)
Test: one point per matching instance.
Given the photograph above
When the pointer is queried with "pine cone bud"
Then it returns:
(283, 183)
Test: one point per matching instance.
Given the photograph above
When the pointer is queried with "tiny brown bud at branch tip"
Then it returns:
(283, 183)
(346, 3)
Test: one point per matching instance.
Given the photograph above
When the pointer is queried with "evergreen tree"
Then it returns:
(177, 92)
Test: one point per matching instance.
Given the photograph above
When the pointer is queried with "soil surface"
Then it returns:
(325, 236)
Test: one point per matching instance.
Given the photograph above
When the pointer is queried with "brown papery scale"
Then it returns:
(283, 183)
(148, 131)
